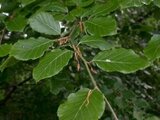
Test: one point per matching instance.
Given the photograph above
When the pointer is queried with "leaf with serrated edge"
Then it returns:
(51, 64)
(45, 23)
(120, 60)
(152, 51)
(84, 105)
(30, 49)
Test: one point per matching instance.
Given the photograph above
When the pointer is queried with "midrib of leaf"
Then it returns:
(91, 41)
(82, 105)
(38, 46)
(115, 62)
(96, 24)
(154, 55)
(42, 18)
(54, 60)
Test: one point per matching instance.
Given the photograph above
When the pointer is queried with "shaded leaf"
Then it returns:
(4, 49)
(84, 105)
(157, 3)
(83, 3)
(106, 8)
(26, 2)
(7, 63)
(18, 23)
(133, 3)
(153, 118)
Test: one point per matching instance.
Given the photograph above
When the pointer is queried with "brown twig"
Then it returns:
(77, 50)
(2, 35)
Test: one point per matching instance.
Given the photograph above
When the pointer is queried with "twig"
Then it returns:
(76, 49)
(2, 35)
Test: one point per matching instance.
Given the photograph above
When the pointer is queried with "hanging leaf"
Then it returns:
(96, 42)
(44, 23)
(84, 105)
(51, 64)
(30, 49)
(4, 49)
(152, 51)
(120, 60)
(101, 26)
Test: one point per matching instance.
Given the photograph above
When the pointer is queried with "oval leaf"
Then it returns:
(30, 49)
(45, 23)
(52, 64)
(84, 105)
(4, 49)
(121, 60)
(102, 26)
(96, 42)
(152, 51)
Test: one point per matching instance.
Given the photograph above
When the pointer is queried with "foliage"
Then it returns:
(96, 54)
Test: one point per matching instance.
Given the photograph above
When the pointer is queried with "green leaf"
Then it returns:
(10, 61)
(106, 8)
(30, 49)
(84, 105)
(26, 2)
(152, 51)
(56, 85)
(96, 42)
(52, 64)
(57, 7)
(121, 60)
(133, 3)
(157, 3)
(83, 3)
(4, 49)
(2, 94)
(18, 23)
(44, 23)
(101, 26)
(138, 115)
(153, 118)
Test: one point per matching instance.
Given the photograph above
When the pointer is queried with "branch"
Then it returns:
(76, 49)
(12, 90)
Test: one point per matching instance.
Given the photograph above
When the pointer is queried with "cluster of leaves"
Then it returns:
(52, 40)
